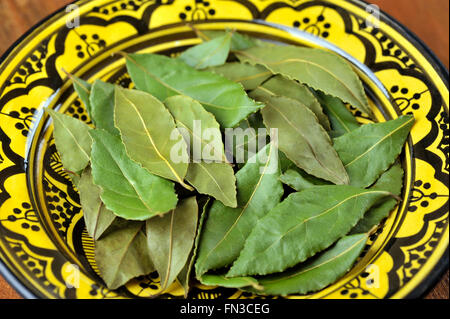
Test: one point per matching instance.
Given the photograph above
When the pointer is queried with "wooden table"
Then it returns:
(429, 19)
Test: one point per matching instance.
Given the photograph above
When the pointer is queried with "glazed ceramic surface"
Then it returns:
(43, 241)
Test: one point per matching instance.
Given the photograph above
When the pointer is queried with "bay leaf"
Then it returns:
(72, 141)
(185, 274)
(210, 53)
(214, 179)
(150, 135)
(371, 149)
(102, 106)
(96, 216)
(164, 77)
(299, 180)
(205, 140)
(342, 120)
(222, 281)
(301, 138)
(285, 162)
(317, 68)
(226, 228)
(83, 90)
(390, 181)
(204, 137)
(304, 224)
(122, 253)
(250, 76)
(170, 239)
(129, 190)
(239, 41)
(281, 86)
(316, 273)
(246, 140)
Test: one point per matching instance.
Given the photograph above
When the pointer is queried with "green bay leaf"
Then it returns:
(391, 181)
(226, 228)
(122, 253)
(208, 172)
(301, 138)
(201, 130)
(184, 277)
(129, 190)
(83, 90)
(299, 180)
(222, 281)
(316, 273)
(317, 68)
(239, 41)
(247, 139)
(281, 86)
(102, 106)
(96, 216)
(170, 239)
(150, 135)
(304, 224)
(164, 77)
(371, 149)
(214, 179)
(342, 120)
(250, 76)
(210, 53)
(72, 141)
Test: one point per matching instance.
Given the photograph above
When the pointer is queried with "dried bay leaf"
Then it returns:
(342, 120)
(301, 138)
(317, 68)
(239, 41)
(304, 224)
(210, 178)
(164, 77)
(170, 239)
(250, 76)
(201, 127)
(299, 180)
(372, 148)
(391, 181)
(129, 190)
(281, 86)
(210, 53)
(83, 90)
(248, 139)
(214, 179)
(72, 141)
(185, 274)
(150, 135)
(285, 163)
(316, 273)
(122, 253)
(102, 106)
(226, 229)
(96, 216)
(221, 280)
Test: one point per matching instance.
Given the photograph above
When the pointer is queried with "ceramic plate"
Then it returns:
(42, 234)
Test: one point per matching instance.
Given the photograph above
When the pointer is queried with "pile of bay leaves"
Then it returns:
(292, 216)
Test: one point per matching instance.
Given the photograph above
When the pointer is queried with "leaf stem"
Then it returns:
(71, 173)
(199, 33)
(75, 80)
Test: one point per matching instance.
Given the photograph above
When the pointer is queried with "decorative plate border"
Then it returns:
(396, 60)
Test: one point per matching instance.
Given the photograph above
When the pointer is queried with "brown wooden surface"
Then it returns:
(429, 19)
